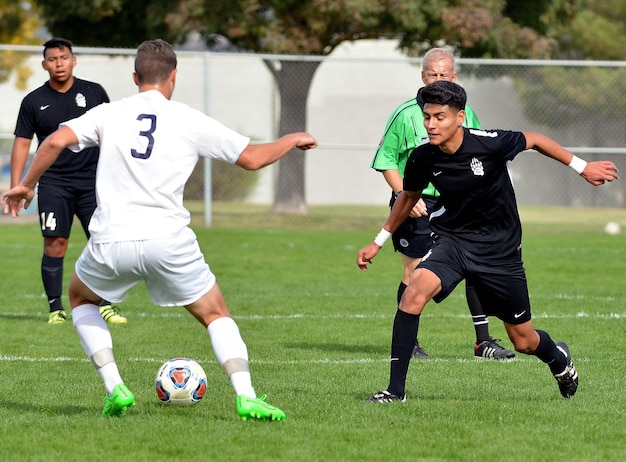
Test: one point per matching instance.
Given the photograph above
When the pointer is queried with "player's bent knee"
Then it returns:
(523, 348)
(525, 344)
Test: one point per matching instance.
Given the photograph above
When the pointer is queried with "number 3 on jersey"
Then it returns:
(50, 222)
(148, 134)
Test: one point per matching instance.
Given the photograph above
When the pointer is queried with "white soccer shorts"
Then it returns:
(173, 269)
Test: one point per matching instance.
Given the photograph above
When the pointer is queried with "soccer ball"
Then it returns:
(180, 381)
(612, 228)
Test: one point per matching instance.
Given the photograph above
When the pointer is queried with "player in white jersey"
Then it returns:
(143, 167)
(149, 146)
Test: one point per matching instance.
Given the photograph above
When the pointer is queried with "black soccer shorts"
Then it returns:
(58, 204)
(414, 237)
(500, 284)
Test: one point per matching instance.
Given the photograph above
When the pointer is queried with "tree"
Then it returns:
(293, 27)
(477, 28)
(316, 27)
(111, 23)
(595, 95)
(599, 31)
(18, 25)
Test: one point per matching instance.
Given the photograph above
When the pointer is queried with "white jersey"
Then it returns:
(149, 147)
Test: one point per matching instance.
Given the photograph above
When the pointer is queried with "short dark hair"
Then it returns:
(445, 93)
(154, 62)
(57, 42)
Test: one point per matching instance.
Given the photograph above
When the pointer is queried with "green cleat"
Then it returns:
(115, 405)
(57, 317)
(111, 314)
(257, 408)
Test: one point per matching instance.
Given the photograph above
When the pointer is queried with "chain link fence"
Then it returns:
(344, 100)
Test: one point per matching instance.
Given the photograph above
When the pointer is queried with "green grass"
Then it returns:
(318, 332)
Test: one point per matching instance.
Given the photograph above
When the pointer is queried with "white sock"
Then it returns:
(110, 376)
(95, 339)
(232, 354)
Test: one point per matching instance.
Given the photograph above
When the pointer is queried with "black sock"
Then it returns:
(52, 277)
(402, 343)
(480, 320)
(401, 289)
(549, 353)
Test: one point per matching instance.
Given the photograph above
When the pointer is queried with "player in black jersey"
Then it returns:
(477, 231)
(67, 188)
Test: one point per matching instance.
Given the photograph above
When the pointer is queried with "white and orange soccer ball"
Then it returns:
(181, 382)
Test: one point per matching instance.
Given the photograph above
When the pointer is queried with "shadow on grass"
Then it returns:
(65, 410)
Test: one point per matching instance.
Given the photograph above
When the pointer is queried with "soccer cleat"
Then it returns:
(115, 405)
(490, 349)
(257, 408)
(111, 314)
(384, 397)
(57, 317)
(418, 352)
(568, 379)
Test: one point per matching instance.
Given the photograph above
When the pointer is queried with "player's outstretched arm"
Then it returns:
(45, 157)
(595, 173)
(399, 212)
(257, 156)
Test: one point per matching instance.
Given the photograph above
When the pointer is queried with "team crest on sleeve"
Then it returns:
(477, 167)
(81, 101)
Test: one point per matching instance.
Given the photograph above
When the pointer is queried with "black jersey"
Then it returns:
(41, 112)
(477, 204)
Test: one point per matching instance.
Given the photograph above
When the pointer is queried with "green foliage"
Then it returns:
(478, 28)
(600, 31)
(547, 18)
(110, 23)
(18, 25)
(318, 332)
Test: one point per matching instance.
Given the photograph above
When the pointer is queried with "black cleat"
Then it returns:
(384, 397)
(418, 352)
(568, 379)
(490, 349)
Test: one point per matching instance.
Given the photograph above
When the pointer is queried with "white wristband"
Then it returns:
(577, 164)
(382, 237)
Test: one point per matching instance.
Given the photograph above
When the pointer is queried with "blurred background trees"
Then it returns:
(19, 23)
(533, 29)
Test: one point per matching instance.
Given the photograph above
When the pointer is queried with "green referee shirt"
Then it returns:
(404, 132)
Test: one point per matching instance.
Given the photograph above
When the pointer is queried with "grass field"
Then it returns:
(318, 333)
